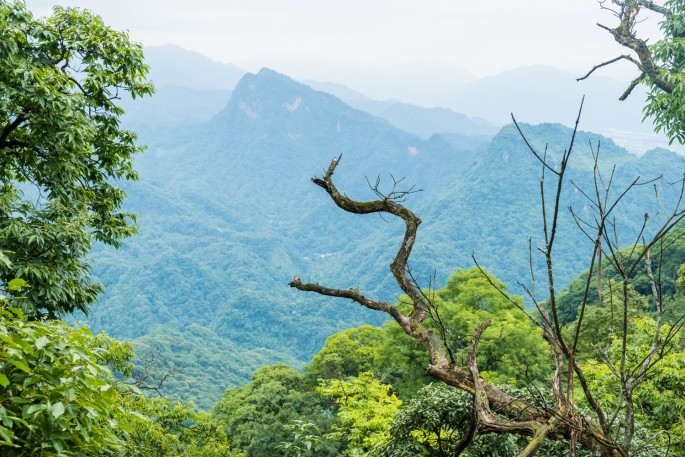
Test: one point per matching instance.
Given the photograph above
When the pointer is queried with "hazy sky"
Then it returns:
(302, 36)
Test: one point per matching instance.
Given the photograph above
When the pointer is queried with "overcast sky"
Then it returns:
(301, 36)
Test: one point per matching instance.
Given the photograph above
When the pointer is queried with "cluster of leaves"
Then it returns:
(58, 397)
(669, 54)
(55, 393)
(365, 369)
(61, 149)
(366, 408)
(365, 417)
(661, 409)
(258, 417)
(303, 439)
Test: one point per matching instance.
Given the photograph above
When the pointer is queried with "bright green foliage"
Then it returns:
(512, 351)
(257, 416)
(61, 149)
(303, 439)
(603, 323)
(434, 422)
(366, 409)
(154, 427)
(386, 352)
(402, 362)
(348, 353)
(666, 263)
(57, 396)
(669, 54)
(55, 393)
(661, 406)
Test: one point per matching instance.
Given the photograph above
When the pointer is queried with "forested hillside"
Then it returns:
(229, 215)
(284, 271)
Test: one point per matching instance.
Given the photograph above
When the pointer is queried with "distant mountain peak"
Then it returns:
(269, 94)
(268, 72)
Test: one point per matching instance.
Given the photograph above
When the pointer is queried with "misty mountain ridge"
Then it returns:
(171, 65)
(466, 104)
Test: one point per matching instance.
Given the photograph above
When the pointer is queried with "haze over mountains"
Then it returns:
(533, 94)
(228, 213)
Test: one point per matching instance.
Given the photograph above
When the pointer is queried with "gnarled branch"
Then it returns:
(624, 34)
(496, 410)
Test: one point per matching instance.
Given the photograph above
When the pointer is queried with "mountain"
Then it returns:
(228, 215)
(171, 65)
(422, 82)
(534, 94)
(425, 122)
(418, 120)
(537, 94)
(494, 208)
(190, 89)
(172, 107)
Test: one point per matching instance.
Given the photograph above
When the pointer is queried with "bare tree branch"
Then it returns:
(609, 62)
(513, 415)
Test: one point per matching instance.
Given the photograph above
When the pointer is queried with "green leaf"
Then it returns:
(17, 284)
(35, 408)
(21, 365)
(4, 381)
(57, 410)
(4, 260)
(42, 342)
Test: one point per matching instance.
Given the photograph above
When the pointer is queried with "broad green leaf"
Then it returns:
(21, 365)
(42, 342)
(57, 410)
(17, 284)
(35, 408)
(4, 382)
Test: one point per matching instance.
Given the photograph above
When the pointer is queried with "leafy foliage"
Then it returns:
(154, 427)
(366, 408)
(62, 149)
(661, 407)
(666, 258)
(197, 364)
(240, 236)
(302, 441)
(259, 417)
(436, 419)
(348, 353)
(55, 393)
(513, 351)
(669, 54)
(433, 423)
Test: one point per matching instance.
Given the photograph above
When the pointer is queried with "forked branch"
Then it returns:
(496, 410)
(627, 12)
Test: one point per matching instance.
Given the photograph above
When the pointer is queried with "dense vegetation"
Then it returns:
(215, 251)
(386, 369)
(62, 150)
(220, 248)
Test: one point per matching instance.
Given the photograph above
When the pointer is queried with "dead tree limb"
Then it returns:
(628, 12)
(496, 410)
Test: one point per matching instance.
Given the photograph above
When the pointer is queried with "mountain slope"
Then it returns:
(228, 215)
(418, 120)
